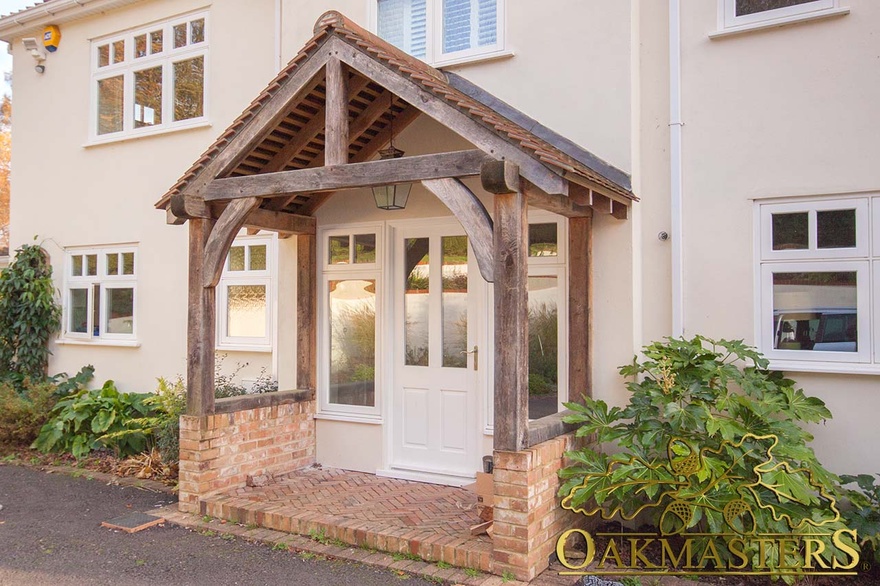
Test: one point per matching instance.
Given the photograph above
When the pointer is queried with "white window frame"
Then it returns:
(863, 259)
(729, 22)
(434, 54)
(337, 272)
(131, 65)
(105, 283)
(267, 278)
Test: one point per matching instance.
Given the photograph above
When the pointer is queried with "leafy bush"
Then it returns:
(705, 418)
(66, 384)
(864, 512)
(29, 315)
(23, 413)
(224, 384)
(91, 419)
(169, 403)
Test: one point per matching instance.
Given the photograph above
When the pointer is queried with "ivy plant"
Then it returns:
(710, 442)
(29, 314)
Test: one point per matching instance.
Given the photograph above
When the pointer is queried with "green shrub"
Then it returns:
(91, 419)
(224, 384)
(169, 402)
(23, 413)
(709, 440)
(863, 514)
(29, 315)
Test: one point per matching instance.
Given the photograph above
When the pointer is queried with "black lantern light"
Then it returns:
(391, 197)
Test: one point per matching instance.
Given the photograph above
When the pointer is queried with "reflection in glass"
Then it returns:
(257, 260)
(103, 55)
(120, 311)
(148, 97)
(836, 229)
(155, 42)
(454, 301)
(543, 240)
(246, 311)
(113, 264)
(197, 30)
(110, 104)
(119, 51)
(415, 301)
(364, 248)
(127, 263)
(753, 6)
(189, 89)
(96, 310)
(543, 346)
(339, 250)
(140, 46)
(791, 231)
(79, 311)
(236, 258)
(352, 313)
(815, 311)
(91, 265)
(77, 265)
(179, 35)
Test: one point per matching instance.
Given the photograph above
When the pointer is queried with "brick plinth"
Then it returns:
(528, 517)
(219, 452)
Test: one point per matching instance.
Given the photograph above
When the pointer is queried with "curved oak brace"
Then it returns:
(472, 215)
(224, 232)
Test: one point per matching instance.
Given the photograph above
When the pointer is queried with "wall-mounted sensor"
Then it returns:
(32, 47)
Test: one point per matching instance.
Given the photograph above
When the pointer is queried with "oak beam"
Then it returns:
(224, 232)
(511, 322)
(200, 325)
(354, 175)
(285, 224)
(580, 308)
(558, 204)
(185, 205)
(336, 115)
(472, 215)
(306, 313)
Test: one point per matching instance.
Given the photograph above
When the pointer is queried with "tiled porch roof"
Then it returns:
(563, 157)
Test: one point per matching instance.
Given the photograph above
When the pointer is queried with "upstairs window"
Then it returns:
(100, 286)
(150, 79)
(757, 13)
(442, 32)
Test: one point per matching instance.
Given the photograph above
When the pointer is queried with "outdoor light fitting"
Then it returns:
(391, 197)
(32, 47)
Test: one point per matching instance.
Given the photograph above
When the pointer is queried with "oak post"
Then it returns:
(200, 325)
(511, 317)
(306, 313)
(580, 307)
(336, 115)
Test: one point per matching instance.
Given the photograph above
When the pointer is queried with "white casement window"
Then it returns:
(747, 14)
(245, 295)
(818, 282)
(350, 292)
(100, 294)
(548, 314)
(150, 80)
(442, 32)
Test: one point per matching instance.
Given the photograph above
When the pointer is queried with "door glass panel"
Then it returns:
(543, 346)
(257, 260)
(236, 258)
(791, 231)
(543, 240)
(364, 248)
(352, 313)
(79, 311)
(339, 250)
(815, 311)
(120, 311)
(415, 301)
(836, 229)
(454, 301)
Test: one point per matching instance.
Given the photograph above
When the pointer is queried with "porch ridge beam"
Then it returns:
(351, 176)
(474, 218)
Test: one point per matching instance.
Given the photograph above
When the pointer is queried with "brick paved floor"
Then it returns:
(425, 520)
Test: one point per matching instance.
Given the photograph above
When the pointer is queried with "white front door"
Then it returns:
(436, 332)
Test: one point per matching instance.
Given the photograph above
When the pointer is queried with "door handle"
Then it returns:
(476, 353)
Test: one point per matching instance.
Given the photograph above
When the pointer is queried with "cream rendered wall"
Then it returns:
(71, 194)
(779, 112)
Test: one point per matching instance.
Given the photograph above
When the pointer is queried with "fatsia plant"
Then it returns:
(710, 442)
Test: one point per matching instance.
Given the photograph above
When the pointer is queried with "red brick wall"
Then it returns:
(219, 452)
(528, 518)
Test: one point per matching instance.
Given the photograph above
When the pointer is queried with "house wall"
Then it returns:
(779, 112)
(70, 194)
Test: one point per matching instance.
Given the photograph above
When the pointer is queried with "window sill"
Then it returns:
(824, 367)
(350, 418)
(242, 348)
(469, 59)
(116, 343)
(136, 135)
(756, 26)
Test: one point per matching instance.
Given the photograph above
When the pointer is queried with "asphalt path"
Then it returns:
(51, 534)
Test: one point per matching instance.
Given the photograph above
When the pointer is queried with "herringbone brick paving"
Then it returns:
(426, 520)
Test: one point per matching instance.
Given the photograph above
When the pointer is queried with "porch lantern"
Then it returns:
(391, 197)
